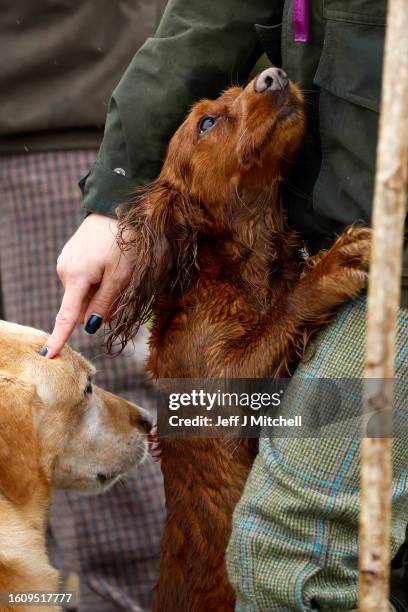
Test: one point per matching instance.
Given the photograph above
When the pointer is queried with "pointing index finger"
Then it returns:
(68, 315)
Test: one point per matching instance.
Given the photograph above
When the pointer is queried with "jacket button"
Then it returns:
(120, 171)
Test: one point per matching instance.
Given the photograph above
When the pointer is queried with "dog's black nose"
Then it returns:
(146, 422)
(271, 79)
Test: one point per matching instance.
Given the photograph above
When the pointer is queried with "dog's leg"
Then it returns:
(201, 496)
(329, 280)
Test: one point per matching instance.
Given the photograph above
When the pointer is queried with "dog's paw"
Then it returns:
(352, 249)
(343, 269)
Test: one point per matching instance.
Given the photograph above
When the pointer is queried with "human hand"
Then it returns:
(93, 270)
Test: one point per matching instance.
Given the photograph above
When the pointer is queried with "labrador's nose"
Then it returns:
(271, 79)
(146, 422)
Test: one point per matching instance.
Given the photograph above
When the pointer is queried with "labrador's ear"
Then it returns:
(19, 460)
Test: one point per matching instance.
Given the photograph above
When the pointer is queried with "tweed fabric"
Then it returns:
(294, 544)
(112, 540)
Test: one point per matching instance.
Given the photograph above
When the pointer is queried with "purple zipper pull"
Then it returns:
(301, 20)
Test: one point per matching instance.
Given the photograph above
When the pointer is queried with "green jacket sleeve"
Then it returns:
(199, 49)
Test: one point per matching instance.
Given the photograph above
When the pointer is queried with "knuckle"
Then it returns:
(73, 273)
(103, 302)
(63, 319)
(60, 267)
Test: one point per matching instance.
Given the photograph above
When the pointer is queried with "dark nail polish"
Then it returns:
(43, 351)
(93, 324)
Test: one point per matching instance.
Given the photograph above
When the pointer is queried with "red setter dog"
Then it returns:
(232, 297)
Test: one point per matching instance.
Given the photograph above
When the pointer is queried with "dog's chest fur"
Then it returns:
(195, 332)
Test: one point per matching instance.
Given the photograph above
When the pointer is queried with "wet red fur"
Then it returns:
(232, 297)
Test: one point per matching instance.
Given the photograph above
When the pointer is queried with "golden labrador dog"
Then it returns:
(57, 429)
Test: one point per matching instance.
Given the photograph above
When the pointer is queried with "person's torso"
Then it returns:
(340, 70)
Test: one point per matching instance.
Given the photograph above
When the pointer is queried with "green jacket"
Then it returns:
(59, 62)
(202, 47)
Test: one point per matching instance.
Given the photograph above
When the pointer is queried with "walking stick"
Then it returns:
(382, 312)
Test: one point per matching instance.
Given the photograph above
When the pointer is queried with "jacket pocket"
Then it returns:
(358, 11)
(349, 78)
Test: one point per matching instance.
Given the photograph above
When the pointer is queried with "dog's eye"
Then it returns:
(206, 124)
(88, 389)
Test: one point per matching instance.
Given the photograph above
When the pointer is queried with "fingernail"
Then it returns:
(43, 351)
(93, 324)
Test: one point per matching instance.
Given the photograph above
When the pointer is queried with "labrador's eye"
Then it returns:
(206, 124)
(88, 389)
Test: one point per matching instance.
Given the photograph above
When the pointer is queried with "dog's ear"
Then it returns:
(19, 460)
(159, 233)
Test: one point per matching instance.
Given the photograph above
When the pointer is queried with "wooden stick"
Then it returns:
(382, 313)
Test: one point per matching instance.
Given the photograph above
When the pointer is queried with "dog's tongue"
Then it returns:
(153, 444)
(152, 435)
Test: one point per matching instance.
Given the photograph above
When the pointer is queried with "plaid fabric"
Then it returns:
(294, 544)
(112, 540)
